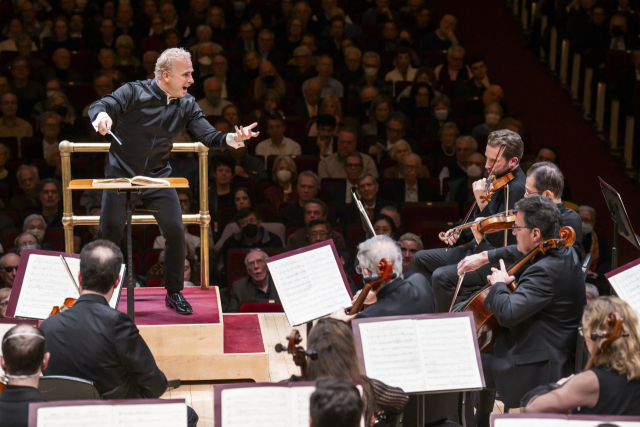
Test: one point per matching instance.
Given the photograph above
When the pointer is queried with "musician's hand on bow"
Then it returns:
(500, 275)
(479, 188)
(472, 262)
(476, 233)
(370, 299)
(242, 134)
(341, 314)
(453, 238)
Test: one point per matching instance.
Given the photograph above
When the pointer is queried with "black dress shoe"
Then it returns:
(176, 301)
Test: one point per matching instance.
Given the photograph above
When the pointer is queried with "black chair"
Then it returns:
(58, 387)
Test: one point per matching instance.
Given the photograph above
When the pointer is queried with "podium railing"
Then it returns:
(69, 220)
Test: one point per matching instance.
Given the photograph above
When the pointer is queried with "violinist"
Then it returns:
(612, 385)
(539, 319)
(428, 261)
(394, 297)
(24, 357)
(543, 179)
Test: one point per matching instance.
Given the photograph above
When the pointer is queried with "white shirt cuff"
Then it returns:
(97, 120)
(230, 138)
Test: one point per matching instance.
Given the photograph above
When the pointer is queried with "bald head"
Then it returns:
(493, 94)
(267, 69)
(23, 351)
(100, 263)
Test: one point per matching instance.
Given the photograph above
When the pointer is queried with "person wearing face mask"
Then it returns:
(284, 173)
(212, 104)
(492, 116)
(440, 114)
(70, 128)
(371, 66)
(461, 189)
(594, 242)
(465, 146)
(35, 225)
(26, 241)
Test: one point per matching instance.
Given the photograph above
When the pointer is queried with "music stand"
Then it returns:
(87, 184)
(621, 222)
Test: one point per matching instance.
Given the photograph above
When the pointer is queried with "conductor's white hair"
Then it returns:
(165, 61)
(371, 251)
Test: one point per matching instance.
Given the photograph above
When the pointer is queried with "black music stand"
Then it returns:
(621, 222)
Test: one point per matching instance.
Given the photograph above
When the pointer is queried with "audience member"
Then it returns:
(454, 70)
(28, 180)
(340, 193)
(10, 124)
(592, 292)
(333, 166)
(371, 67)
(284, 174)
(332, 106)
(448, 135)
(23, 358)
(221, 188)
(309, 105)
(381, 109)
(326, 127)
(461, 190)
(247, 166)
(302, 70)
(50, 195)
(26, 241)
(403, 71)
(231, 86)
(465, 146)
(314, 209)
(353, 71)
(6, 178)
(292, 214)
(399, 152)
(8, 268)
(492, 94)
(153, 42)
(212, 104)
(492, 115)
(60, 70)
(395, 132)
(124, 52)
(408, 188)
(384, 225)
(257, 286)
(475, 87)
(440, 115)
(368, 192)
(190, 240)
(268, 78)
(409, 245)
(277, 143)
(5, 294)
(103, 85)
(380, 14)
(27, 91)
(443, 37)
(149, 60)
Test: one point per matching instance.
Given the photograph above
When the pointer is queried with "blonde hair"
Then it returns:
(165, 61)
(331, 99)
(624, 354)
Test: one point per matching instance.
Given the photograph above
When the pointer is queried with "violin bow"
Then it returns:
(453, 301)
(66, 266)
(368, 228)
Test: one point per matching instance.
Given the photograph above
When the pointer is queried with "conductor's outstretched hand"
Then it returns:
(242, 134)
(104, 126)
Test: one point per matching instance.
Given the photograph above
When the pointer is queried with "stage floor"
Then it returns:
(151, 309)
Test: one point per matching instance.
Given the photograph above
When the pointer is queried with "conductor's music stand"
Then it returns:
(87, 184)
(621, 223)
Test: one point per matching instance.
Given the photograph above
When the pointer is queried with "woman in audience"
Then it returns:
(242, 198)
(337, 358)
(255, 17)
(447, 147)
(423, 75)
(5, 293)
(231, 113)
(156, 271)
(295, 30)
(60, 37)
(381, 107)
(399, 152)
(6, 178)
(612, 386)
(221, 188)
(35, 225)
(330, 105)
(124, 53)
(284, 173)
(25, 241)
(420, 101)
(440, 114)
(383, 224)
(270, 106)
(189, 272)
(155, 41)
(107, 60)
(15, 29)
(492, 115)
(251, 63)
(215, 20)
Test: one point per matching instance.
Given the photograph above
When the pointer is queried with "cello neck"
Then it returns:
(358, 304)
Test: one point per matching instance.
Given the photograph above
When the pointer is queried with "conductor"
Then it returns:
(151, 116)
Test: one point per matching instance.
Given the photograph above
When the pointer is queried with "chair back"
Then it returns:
(59, 387)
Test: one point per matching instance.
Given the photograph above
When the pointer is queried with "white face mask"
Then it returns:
(441, 115)
(370, 71)
(284, 175)
(492, 119)
(52, 92)
(37, 232)
(474, 172)
(205, 60)
(587, 228)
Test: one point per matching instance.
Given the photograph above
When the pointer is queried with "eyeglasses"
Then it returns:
(514, 226)
(9, 269)
(531, 193)
(258, 262)
(353, 165)
(318, 234)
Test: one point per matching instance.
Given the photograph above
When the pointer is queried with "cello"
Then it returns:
(297, 351)
(487, 326)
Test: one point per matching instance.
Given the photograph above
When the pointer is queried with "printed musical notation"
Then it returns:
(270, 407)
(309, 284)
(149, 415)
(421, 355)
(627, 286)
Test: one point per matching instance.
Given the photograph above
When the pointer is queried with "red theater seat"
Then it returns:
(414, 214)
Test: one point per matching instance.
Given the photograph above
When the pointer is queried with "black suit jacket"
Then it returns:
(336, 193)
(400, 298)
(299, 109)
(540, 322)
(34, 151)
(94, 342)
(395, 192)
(14, 405)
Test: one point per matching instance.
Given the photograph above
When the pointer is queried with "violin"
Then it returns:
(490, 224)
(299, 353)
(487, 326)
(68, 303)
(385, 272)
(493, 185)
(604, 339)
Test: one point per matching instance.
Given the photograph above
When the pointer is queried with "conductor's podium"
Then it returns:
(205, 345)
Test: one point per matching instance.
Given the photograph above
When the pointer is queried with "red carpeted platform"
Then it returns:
(242, 334)
(151, 309)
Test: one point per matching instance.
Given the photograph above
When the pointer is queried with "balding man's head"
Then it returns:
(100, 263)
(267, 69)
(23, 351)
(61, 58)
(312, 91)
(103, 85)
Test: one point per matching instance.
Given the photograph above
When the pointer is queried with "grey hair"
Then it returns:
(471, 140)
(413, 238)
(303, 50)
(15, 242)
(371, 251)
(165, 61)
(586, 208)
(371, 54)
(124, 40)
(204, 28)
(290, 164)
(31, 168)
(30, 218)
(591, 289)
(455, 47)
(254, 250)
(353, 49)
(394, 147)
(309, 174)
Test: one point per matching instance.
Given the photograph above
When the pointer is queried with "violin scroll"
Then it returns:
(298, 352)
(569, 235)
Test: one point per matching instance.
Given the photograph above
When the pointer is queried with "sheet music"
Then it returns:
(309, 285)
(627, 286)
(448, 354)
(551, 422)
(47, 284)
(165, 415)
(4, 327)
(391, 354)
(269, 407)
(75, 416)
(300, 405)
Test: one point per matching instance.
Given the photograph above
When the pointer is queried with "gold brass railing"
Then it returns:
(69, 220)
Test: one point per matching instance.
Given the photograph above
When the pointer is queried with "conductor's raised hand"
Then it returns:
(104, 125)
(500, 275)
(242, 134)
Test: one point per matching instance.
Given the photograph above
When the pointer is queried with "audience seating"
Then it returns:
(260, 306)
(414, 214)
